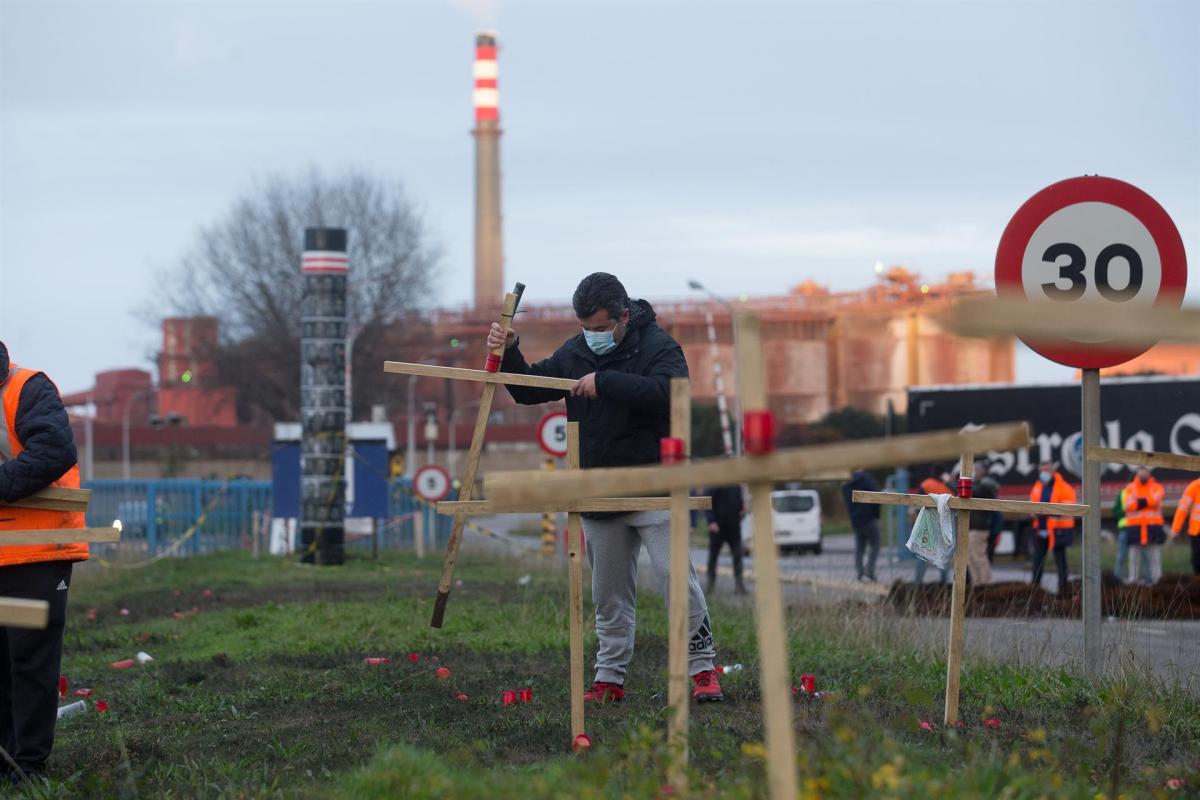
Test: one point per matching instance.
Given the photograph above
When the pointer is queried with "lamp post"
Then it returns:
(431, 430)
(732, 444)
(125, 472)
(410, 450)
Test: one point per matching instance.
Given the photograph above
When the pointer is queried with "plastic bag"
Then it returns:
(932, 535)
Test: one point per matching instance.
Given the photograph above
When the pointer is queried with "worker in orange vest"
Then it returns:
(1144, 522)
(1188, 515)
(36, 450)
(1054, 534)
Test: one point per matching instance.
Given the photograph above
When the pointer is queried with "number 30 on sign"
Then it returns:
(1095, 240)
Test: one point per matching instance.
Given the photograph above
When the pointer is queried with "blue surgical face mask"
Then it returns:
(1046, 476)
(600, 342)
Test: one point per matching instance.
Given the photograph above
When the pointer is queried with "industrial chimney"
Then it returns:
(489, 250)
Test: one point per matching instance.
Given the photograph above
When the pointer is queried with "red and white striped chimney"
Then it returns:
(489, 250)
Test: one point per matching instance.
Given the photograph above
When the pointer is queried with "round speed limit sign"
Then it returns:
(552, 434)
(1095, 240)
(432, 483)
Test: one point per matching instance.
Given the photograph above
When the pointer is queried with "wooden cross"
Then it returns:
(760, 469)
(491, 378)
(21, 613)
(1076, 321)
(962, 508)
(680, 505)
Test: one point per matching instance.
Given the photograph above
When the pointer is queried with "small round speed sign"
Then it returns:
(1095, 240)
(432, 483)
(552, 434)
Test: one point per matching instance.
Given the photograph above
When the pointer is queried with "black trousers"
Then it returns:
(727, 533)
(1040, 546)
(1195, 540)
(29, 665)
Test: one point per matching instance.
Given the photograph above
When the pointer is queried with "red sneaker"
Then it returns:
(604, 692)
(706, 688)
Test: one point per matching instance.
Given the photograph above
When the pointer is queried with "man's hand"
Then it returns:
(586, 387)
(713, 527)
(496, 337)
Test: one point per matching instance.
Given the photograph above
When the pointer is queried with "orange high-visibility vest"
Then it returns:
(1189, 510)
(1062, 492)
(1142, 518)
(23, 519)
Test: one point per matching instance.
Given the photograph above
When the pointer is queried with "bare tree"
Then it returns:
(245, 271)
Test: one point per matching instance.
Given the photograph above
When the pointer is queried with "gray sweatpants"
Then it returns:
(613, 546)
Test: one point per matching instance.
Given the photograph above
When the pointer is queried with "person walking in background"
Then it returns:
(1118, 511)
(1053, 534)
(864, 518)
(725, 527)
(37, 450)
(1144, 524)
(1187, 518)
(981, 524)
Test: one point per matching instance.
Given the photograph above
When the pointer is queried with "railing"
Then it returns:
(187, 516)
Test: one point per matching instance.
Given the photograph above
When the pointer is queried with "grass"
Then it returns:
(263, 693)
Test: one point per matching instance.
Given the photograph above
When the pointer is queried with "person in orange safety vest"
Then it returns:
(1054, 534)
(1187, 519)
(1144, 522)
(37, 450)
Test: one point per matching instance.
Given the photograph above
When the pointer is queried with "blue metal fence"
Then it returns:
(187, 516)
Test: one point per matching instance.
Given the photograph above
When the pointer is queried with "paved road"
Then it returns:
(1168, 649)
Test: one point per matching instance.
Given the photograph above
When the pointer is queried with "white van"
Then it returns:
(797, 521)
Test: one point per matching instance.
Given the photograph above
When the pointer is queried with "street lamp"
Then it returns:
(431, 430)
(732, 444)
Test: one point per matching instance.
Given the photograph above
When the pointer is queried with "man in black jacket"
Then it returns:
(725, 527)
(864, 518)
(623, 363)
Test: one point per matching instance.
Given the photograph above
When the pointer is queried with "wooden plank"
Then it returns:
(17, 612)
(467, 481)
(1099, 321)
(60, 536)
(520, 490)
(595, 504)
(768, 596)
(1108, 455)
(678, 696)
(958, 601)
(974, 504)
(482, 376)
(53, 498)
(575, 584)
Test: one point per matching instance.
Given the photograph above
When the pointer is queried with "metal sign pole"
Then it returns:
(1090, 408)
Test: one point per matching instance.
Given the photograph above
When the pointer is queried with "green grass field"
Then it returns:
(263, 693)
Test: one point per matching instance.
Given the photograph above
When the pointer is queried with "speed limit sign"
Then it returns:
(1095, 240)
(552, 434)
(432, 483)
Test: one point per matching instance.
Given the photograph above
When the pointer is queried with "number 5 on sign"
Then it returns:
(1092, 240)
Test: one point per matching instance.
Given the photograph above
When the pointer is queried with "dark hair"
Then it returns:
(600, 291)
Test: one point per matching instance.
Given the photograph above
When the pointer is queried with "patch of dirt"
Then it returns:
(1172, 597)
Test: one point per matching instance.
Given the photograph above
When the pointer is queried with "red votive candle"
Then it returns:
(508, 697)
(493, 363)
(670, 449)
(808, 683)
(758, 432)
(525, 695)
(964, 488)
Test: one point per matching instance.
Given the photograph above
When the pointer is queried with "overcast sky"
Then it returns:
(749, 145)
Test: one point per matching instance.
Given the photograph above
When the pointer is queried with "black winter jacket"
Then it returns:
(860, 513)
(45, 434)
(727, 505)
(624, 425)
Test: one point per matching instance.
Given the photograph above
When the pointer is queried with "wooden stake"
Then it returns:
(60, 536)
(1074, 321)
(467, 482)
(564, 505)
(958, 606)
(772, 630)
(482, 376)
(677, 592)
(575, 583)
(974, 504)
(521, 490)
(18, 612)
(53, 498)
(1138, 458)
